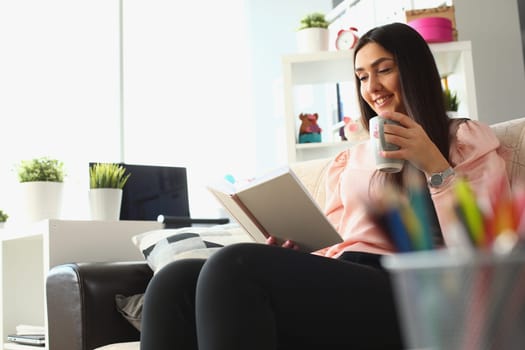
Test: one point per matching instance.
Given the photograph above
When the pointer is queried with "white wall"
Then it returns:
(494, 29)
(272, 26)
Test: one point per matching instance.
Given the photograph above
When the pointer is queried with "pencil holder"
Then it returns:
(459, 301)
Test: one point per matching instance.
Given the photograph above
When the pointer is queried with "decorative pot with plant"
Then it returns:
(106, 181)
(450, 98)
(42, 181)
(3, 218)
(312, 34)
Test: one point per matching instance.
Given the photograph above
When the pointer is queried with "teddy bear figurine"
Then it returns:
(309, 131)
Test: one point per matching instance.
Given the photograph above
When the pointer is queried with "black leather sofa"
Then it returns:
(82, 313)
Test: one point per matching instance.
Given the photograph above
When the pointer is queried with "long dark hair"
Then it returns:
(420, 83)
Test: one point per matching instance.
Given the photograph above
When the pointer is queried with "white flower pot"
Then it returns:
(453, 114)
(312, 40)
(105, 203)
(42, 200)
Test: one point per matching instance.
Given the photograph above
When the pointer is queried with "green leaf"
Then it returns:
(107, 175)
(450, 99)
(41, 169)
(314, 20)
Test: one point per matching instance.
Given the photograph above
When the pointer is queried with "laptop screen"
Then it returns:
(153, 190)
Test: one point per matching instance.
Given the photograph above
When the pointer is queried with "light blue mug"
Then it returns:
(379, 144)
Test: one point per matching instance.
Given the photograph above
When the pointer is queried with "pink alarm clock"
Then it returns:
(346, 39)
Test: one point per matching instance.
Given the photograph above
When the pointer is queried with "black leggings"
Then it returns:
(254, 296)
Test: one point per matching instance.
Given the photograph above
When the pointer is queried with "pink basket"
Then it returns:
(433, 29)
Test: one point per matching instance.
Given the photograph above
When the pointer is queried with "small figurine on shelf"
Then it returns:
(353, 130)
(309, 130)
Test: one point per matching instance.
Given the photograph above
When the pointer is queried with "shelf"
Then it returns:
(31, 251)
(15, 346)
(314, 145)
(447, 55)
(23, 231)
(453, 59)
(320, 67)
(336, 66)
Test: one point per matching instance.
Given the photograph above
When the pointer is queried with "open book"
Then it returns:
(278, 205)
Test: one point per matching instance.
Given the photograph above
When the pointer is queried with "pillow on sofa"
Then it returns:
(160, 247)
(131, 308)
(176, 246)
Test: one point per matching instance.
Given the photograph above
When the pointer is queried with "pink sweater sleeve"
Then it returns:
(476, 155)
(333, 204)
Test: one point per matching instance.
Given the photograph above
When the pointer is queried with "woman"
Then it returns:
(252, 296)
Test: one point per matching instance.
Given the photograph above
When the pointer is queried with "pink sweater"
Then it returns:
(475, 153)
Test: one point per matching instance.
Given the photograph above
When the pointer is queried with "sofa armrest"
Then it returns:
(81, 309)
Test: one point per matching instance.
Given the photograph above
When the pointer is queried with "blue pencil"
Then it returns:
(419, 201)
(394, 221)
(397, 230)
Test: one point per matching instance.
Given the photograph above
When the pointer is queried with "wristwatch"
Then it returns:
(437, 180)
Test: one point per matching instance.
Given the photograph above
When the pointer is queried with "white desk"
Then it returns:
(27, 254)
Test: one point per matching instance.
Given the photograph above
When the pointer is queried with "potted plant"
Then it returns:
(106, 181)
(451, 101)
(42, 181)
(41, 169)
(3, 218)
(312, 34)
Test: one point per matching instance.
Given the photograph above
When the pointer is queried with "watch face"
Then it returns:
(345, 40)
(436, 180)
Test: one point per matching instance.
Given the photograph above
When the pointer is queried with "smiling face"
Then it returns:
(378, 74)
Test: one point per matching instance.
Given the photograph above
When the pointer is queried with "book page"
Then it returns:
(245, 221)
(279, 205)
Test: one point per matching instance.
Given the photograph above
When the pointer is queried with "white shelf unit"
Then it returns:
(15, 346)
(454, 60)
(28, 253)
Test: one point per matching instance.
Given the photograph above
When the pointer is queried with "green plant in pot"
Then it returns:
(107, 175)
(451, 101)
(41, 169)
(106, 181)
(312, 34)
(42, 181)
(313, 20)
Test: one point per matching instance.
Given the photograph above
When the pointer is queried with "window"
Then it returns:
(58, 90)
(185, 87)
(187, 90)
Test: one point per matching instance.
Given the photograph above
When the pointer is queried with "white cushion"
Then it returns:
(121, 346)
(161, 247)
